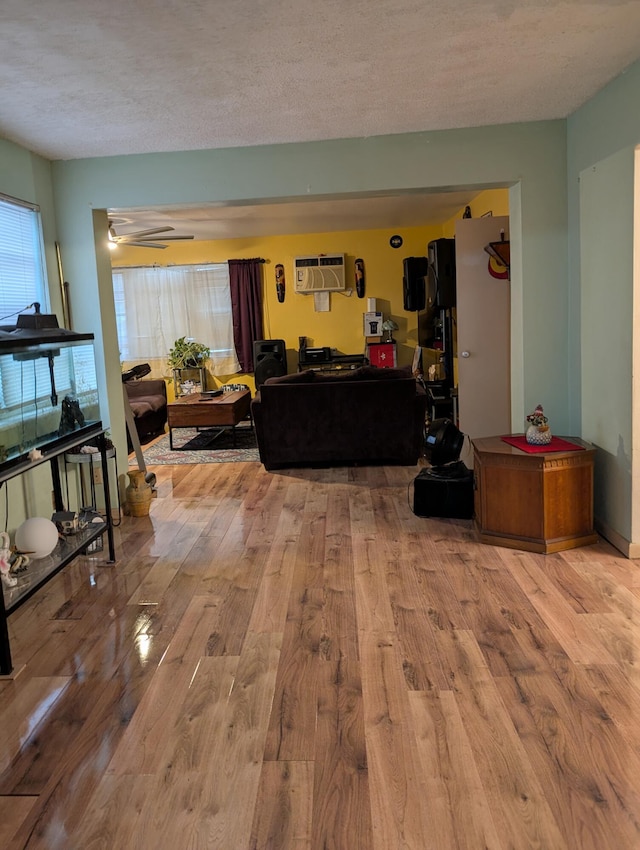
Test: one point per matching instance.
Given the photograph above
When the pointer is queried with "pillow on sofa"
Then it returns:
(389, 374)
(293, 378)
(147, 404)
(366, 373)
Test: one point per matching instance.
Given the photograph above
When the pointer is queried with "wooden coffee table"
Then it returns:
(222, 412)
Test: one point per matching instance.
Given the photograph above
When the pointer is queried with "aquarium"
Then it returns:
(48, 391)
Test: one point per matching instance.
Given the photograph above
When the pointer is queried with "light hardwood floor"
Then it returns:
(294, 660)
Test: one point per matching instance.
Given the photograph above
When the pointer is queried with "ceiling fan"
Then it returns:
(143, 238)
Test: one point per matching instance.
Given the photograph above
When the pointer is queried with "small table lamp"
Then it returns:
(389, 326)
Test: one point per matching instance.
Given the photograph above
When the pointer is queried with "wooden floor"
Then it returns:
(294, 660)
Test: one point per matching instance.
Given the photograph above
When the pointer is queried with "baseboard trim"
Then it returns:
(626, 547)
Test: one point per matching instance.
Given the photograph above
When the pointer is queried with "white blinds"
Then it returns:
(22, 279)
(22, 282)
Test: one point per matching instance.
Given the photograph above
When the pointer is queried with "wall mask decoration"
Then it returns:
(360, 277)
(280, 286)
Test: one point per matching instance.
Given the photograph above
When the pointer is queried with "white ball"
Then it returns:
(37, 536)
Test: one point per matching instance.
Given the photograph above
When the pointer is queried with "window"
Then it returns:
(157, 305)
(22, 283)
(22, 276)
(32, 387)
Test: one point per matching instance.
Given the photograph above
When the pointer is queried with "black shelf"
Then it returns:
(58, 445)
(39, 571)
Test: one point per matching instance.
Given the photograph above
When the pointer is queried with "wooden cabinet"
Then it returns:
(540, 502)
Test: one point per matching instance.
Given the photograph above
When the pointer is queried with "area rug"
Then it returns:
(193, 446)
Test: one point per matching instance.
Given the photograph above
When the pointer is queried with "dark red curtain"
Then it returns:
(246, 307)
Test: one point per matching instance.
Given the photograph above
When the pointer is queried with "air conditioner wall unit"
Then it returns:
(320, 273)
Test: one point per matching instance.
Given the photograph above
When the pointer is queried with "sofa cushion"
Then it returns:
(147, 404)
(146, 389)
(293, 378)
(365, 373)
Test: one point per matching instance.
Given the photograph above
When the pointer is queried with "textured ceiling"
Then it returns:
(257, 220)
(87, 78)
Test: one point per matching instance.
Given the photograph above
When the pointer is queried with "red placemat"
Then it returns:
(557, 444)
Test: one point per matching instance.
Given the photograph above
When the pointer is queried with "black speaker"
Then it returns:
(415, 271)
(444, 492)
(269, 359)
(441, 254)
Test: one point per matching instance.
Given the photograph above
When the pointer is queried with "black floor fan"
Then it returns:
(445, 489)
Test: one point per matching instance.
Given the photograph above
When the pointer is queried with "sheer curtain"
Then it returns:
(157, 305)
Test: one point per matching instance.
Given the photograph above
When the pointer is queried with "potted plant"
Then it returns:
(188, 354)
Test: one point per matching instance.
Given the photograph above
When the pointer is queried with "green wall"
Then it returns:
(601, 138)
(558, 312)
(27, 176)
(528, 158)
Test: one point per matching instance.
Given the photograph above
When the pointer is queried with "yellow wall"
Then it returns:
(341, 327)
(494, 201)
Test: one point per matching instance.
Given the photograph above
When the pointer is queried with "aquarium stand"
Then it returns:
(69, 547)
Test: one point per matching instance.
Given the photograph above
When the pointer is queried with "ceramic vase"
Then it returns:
(138, 493)
(537, 437)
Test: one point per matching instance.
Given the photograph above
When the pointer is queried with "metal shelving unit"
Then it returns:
(198, 374)
(69, 547)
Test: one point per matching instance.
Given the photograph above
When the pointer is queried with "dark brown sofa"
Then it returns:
(148, 400)
(365, 416)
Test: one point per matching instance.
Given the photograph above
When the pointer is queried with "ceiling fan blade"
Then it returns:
(144, 245)
(164, 239)
(151, 232)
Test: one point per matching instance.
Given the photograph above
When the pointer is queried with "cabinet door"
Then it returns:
(483, 331)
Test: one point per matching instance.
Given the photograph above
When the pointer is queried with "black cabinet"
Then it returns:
(68, 547)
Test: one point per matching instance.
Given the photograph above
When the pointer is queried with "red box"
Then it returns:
(382, 354)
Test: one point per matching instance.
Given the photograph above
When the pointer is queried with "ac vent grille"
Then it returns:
(321, 273)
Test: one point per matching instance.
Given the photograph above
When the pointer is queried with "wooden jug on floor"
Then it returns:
(138, 493)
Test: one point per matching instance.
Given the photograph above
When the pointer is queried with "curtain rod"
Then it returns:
(173, 265)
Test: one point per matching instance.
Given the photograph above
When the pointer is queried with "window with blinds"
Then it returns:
(22, 283)
(35, 379)
(22, 275)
